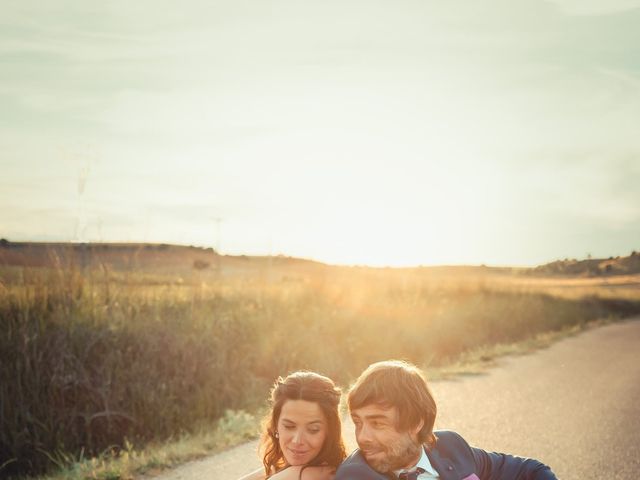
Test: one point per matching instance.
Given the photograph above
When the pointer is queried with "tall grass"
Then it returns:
(89, 359)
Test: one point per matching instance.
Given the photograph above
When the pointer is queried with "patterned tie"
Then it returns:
(413, 475)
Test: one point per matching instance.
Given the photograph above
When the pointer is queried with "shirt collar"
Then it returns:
(423, 463)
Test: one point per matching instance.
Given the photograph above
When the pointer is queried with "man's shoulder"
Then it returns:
(449, 437)
(354, 460)
(355, 467)
(451, 444)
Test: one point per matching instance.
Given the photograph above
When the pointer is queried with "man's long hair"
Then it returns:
(395, 383)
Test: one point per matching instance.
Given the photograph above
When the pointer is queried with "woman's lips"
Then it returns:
(298, 453)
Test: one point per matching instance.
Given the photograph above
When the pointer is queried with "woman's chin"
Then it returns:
(297, 460)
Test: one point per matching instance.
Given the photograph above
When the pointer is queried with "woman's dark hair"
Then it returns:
(311, 387)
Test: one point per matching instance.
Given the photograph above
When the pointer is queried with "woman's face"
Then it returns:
(302, 430)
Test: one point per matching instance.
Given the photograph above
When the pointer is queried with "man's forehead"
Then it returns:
(375, 410)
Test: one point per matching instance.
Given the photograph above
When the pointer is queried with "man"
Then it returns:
(394, 413)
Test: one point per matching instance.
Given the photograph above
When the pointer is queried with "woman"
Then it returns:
(302, 435)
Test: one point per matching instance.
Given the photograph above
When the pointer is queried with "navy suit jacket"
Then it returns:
(454, 459)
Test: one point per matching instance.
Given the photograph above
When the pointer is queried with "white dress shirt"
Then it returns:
(425, 464)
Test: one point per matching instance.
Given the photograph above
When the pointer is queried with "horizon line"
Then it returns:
(6, 241)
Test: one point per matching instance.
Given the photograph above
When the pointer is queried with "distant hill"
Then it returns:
(166, 258)
(116, 255)
(161, 256)
(592, 267)
(147, 257)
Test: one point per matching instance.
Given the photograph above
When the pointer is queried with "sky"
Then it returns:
(347, 131)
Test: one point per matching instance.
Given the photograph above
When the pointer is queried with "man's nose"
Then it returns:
(363, 435)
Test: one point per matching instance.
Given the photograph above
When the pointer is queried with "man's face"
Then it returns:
(384, 447)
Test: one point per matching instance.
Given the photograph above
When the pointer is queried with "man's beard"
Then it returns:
(397, 456)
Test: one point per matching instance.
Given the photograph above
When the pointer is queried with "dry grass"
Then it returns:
(92, 357)
(128, 462)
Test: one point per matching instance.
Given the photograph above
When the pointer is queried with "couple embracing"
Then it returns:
(393, 412)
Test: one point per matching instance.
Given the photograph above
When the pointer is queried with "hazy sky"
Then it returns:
(396, 132)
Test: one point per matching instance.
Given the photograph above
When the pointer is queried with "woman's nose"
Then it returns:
(297, 437)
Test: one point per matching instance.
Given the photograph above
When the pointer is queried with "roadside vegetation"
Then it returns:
(108, 374)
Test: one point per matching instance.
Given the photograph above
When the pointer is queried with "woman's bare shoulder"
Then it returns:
(257, 475)
(318, 473)
(308, 473)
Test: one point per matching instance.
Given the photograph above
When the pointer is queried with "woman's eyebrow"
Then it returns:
(312, 422)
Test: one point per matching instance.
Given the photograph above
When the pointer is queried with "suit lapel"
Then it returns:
(442, 465)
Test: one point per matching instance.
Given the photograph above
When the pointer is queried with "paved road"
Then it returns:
(574, 406)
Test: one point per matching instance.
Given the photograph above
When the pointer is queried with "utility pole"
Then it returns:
(218, 222)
